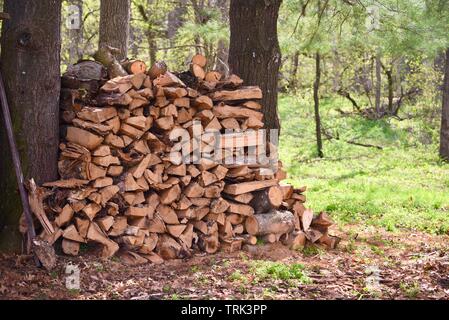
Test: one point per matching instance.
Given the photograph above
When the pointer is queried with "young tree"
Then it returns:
(75, 33)
(30, 64)
(444, 133)
(316, 99)
(254, 52)
(114, 25)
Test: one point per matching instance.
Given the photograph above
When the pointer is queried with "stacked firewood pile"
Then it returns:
(125, 181)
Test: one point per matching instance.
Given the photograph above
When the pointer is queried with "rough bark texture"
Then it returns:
(316, 99)
(444, 135)
(254, 52)
(115, 15)
(30, 66)
(76, 35)
(378, 84)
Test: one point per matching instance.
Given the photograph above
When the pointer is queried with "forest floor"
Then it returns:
(369, 264)
(390, 205)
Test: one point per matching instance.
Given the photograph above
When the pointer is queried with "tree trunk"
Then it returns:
(389, 74)
(254, 52)
(221, 60)
(114, 25)
(444, 134)
(294, 73)
(316, 99)
(30, 64)
(378, 84)
(76, 34)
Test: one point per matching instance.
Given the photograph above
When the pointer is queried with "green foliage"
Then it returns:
(402, 186)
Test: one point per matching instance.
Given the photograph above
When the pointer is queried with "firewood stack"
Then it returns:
(124, 182)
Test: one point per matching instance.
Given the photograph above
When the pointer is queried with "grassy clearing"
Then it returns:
(402, 186)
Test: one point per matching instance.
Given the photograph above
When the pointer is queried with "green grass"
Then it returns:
(402, 186)
(279, 271)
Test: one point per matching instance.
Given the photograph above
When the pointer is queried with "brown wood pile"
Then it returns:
(125, 186)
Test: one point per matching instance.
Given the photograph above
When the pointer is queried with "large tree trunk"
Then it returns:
(444, 134)
(75, 34)
(30, 65)
(316, 99)
(114, 25)
(254, 52)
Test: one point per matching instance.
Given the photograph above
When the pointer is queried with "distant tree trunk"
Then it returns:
(134, 38)
(316, 99)
(444, 133)
(254, 52)
(76, 34)
(114, 25)
(389, 74)
(221, 60)
(30, 63)
(294, 73)
(378, 84)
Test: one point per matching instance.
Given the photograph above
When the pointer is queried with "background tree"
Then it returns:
(254, 51)
(114, 25)
(30, 64)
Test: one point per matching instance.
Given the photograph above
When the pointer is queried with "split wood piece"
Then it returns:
(97, 115)
(146, 211)
(276, 222)
(224, 111)
(235, 218)
(219, 205)
(209, 243)
(170, 195)
(329, 241)
(82, 225)
(194, 190)
(84, 138)
(107, 193)
(295, 240)
(149, 243)
(102, 151)
(143, 165)
(168, 79)
(105, 223)
(72, 234)
(91, 210)
(70, 247)
(112, 99)
(240, 208)
(244, 198)
(187, 235)
(313, 235)
(119, 226)
(203, 103)
(244, 93)
(230, 123)
(67, 184)
(36, 196)
(252, 105)
(213, 76)
(132, 259)
(245, 187)
(176, 230)
(95, 234)
(168, 248)
(167, 214)
(103, 182)
(306, 219)
(231, 245)
(65, 216)
(266, 200)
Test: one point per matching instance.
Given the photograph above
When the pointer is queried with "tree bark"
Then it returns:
(254, 52)
(30, 63)
(294, 74)
(316, 99)
(444, 133)
(378, 84)
(114, 25)
(76, 35)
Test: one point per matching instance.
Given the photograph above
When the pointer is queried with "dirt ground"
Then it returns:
(368, 264)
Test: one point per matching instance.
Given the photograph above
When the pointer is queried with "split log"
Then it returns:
(266, 200)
